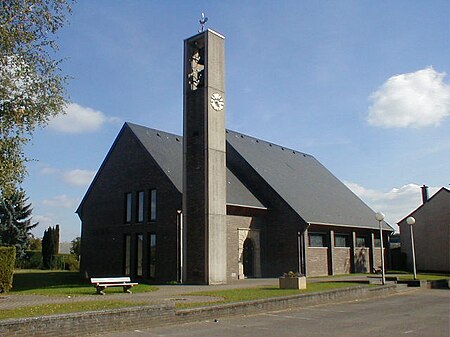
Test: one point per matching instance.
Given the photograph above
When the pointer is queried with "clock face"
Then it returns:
(217, 102)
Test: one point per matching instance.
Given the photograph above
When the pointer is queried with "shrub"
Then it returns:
(7, 261)
(31, 260)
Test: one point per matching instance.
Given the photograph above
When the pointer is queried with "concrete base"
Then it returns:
(292, 282)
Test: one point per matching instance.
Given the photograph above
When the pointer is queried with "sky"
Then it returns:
(363, 86)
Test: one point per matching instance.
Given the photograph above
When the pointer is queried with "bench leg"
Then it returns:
(100, 290)
(126, 289)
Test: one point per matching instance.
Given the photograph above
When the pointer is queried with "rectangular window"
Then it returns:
(152, 256)
(341, 241)
(127, 254)
(316, 240)
(128, 200)
(152, 213)
(139, 254)
(361, 241)
(140, 207)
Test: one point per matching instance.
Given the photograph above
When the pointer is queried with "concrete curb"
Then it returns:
(82, 324)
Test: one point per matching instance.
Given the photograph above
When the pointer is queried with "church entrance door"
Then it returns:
(248, 257)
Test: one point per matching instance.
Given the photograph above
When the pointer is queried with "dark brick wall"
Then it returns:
(102, 214)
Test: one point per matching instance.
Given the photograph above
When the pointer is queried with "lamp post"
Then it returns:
(380, 217)
(180, 246)
(411, 221)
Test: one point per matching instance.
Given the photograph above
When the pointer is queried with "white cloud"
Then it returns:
(79, 119)
(61, 201)
(395, 203)
(43, 219)
(78, 177)
(416, 99)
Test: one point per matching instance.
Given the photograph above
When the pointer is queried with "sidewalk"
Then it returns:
(165, 293)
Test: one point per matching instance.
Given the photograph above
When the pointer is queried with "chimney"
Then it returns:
(424, 193)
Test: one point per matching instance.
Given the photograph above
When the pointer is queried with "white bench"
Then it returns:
(101, 283)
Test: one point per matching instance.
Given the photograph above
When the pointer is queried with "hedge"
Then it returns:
(7, 261)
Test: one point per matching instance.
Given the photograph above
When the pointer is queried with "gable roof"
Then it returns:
(441, 190)
(304, 183)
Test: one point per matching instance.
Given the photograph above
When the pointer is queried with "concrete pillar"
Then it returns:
(352, 251)
(204, 159)
(331, 252)
(373, 257)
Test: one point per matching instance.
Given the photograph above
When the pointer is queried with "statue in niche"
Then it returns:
(196, 76)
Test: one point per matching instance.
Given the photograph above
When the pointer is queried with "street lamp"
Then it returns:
(380, 217)
(411, 221)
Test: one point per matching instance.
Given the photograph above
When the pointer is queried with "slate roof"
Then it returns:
(304, 183)
(312, 191)
(167, 150)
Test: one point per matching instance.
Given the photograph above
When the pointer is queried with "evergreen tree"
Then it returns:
(15, 221)
(50, 246)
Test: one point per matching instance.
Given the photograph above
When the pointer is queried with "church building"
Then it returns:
(215, 205)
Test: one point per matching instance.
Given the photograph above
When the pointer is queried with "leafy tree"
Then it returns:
(35, 243)
(32, 88)
(50, 246)
(75, 247)
(15, 221)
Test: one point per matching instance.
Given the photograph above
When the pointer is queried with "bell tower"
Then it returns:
(204, 159)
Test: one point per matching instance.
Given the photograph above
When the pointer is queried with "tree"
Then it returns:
(50, 246)
(15, 221)
(75, 247)
(32, 88)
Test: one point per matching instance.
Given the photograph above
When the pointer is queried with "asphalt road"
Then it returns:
(424, 313)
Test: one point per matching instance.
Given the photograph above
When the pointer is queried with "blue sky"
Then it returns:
(361, 85)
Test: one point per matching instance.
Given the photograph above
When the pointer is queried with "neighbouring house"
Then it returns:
(216, 205)
(431, 233)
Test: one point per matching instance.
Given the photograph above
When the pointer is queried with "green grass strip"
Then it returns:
(249, 294)
(63, 308)
(61, 283)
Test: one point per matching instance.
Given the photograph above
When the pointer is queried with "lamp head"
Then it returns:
(410, 221)
(379, 216)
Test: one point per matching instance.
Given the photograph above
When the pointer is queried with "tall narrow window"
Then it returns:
(127, 208)
(152, 256)
(140, 207)
(127, 254)
(139, 254)
(153, 196)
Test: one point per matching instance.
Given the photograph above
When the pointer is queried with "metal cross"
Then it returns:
(203, 21)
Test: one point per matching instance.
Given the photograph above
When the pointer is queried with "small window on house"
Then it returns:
(127, 215)
(361, 241)
(316, 240)
(152, 213)
(139, 254)
(152, 256)
(140, 207)
(127, 254)
(341, 241)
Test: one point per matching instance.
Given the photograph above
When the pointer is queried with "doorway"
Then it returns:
(248, 258)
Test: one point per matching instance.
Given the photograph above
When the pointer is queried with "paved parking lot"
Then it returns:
(422, 312)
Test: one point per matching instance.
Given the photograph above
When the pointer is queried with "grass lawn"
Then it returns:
(248, 294)
(56, 282)
(62, 308)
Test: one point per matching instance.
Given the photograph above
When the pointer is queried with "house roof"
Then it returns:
(304, 183)
(167, 150)
(441, 190)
